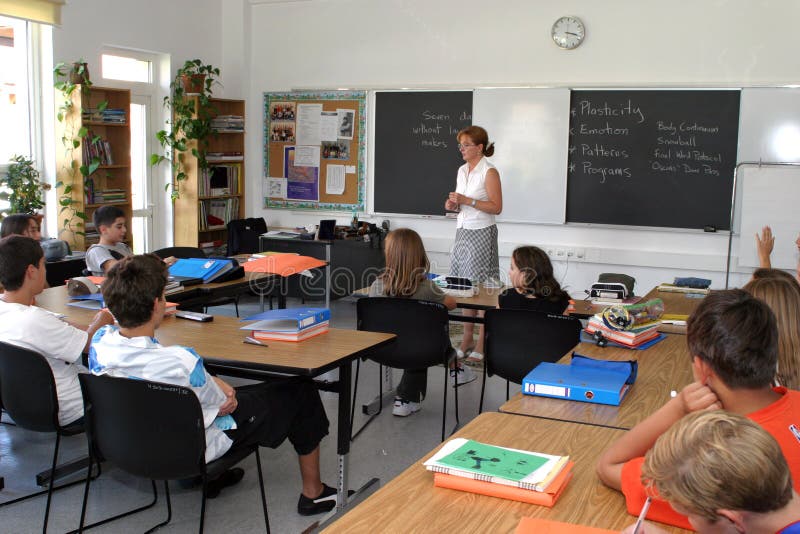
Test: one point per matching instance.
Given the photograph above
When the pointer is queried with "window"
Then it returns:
(128, 69)
(15, 112)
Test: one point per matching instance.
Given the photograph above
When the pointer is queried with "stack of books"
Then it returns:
(97, 148)
(228, 123)
(293, 324)
(512, 474)
(173, 286)
(633, 338)
(107, 115)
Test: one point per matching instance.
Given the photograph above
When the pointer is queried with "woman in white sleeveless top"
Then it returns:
(478, 198)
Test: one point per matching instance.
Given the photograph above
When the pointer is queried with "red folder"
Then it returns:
(283, 264)
(543, 498)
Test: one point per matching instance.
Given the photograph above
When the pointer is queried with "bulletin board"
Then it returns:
(314, 145)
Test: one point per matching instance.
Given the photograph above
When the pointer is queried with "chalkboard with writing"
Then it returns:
(416, 153)
(661, 158)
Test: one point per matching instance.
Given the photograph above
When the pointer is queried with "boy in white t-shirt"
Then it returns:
(110, 224)
(22, 273)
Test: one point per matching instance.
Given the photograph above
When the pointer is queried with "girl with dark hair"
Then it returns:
(534, 286)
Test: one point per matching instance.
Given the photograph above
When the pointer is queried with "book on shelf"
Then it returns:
(225, 156)
(228, 124)
(498, 465)
(95, 148)
(220, 179)
(301, 335)
(288, 320)
(107, 115)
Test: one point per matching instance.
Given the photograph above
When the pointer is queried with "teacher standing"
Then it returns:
(478, 198)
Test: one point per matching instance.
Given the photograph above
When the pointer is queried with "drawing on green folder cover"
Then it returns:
(480, 458)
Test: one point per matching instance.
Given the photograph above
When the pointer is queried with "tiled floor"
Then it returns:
(387, 446)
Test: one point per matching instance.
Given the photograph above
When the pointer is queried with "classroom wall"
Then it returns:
(468, 43)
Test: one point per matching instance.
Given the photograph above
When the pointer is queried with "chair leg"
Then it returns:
(203, 504)
(51, 482)
(380, 403)
(355, 393)
(483, 388)
(444, 399)
(261, 487)
(507, 390)
(236, 305)
(169, 506)
(81, 526)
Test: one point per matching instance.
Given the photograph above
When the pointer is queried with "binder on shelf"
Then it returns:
(584, 379)
(288, 320)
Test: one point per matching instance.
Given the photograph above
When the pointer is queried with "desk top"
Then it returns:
(664, 367)
(220, 342)
(411, 503)
(675, 303)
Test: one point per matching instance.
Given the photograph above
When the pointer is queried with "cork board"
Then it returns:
(314, 146)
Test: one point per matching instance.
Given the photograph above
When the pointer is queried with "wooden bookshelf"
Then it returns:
(222, 184)
(108, 143)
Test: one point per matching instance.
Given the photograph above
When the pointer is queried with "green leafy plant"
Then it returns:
(26, 190)
(68, 79)
(191, 108)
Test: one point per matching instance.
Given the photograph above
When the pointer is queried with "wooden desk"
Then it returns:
(262, 283)
(411, 503)
(675, 303)
(220, 344)
(664, 367)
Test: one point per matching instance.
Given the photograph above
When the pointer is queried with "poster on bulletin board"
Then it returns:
(314, 145)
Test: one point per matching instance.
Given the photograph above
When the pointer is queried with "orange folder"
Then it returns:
(533, 525)
(283, 264)
(543, 498)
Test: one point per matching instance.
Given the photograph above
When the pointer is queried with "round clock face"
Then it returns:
(568, 32)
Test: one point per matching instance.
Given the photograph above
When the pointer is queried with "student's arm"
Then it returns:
(230, 403)
(646, 528)
(764, 244)
(102, 318)
(638, 440)
(449, 302)
(108, 264)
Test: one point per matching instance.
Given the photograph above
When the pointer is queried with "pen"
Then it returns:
(642, 515)
(252, 341)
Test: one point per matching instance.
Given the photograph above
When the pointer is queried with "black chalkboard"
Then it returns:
(416, 153)
(652, 158)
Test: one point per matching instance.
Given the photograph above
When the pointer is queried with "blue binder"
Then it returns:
(205, 268)
(584, 379)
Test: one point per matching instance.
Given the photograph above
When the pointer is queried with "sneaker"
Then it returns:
(461, 375)
(324, 503)
(228, 478)
(475, 357)
(404, 408)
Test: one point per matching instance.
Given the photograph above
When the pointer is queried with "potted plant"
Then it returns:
(26, 191)
(191, 119)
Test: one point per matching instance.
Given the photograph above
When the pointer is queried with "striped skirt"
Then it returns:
(475, 254)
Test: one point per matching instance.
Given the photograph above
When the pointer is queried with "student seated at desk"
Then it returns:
(725, 473)
(781, 292)
(264, 414)
(405, 276)
(733, 339)
(110, 224)
(28, 326)
(21, 224)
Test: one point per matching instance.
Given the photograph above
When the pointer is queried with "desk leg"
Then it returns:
(343, 437)
(328, 277)
(284, 289)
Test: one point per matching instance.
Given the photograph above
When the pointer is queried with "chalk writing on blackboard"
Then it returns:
(438, 130)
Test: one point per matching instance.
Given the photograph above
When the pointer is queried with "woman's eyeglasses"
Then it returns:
(462, 146)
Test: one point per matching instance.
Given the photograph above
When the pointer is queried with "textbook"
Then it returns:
(535, 525)
(498, 465)
(630, 338)
(301, 335)
(543, 498)
(287, 320)
(586, 337)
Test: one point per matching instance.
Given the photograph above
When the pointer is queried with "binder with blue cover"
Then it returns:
(584, 379)
(205, 268)
(288, 320)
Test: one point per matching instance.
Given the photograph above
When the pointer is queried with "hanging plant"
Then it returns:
(190, 103)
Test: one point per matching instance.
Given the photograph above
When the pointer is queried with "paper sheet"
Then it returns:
(306, 156)
(346, 123)
(308, 124)
(329, 126)
(334, 183)
(276, 187)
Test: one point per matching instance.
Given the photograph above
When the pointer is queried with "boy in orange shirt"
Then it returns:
(733, 341)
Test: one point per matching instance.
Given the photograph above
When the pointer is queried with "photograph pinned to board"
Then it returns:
(309, 118)
(282, 111)
(282, 132)
(329, 126)
(346, 122)
(276, 187)
(334, 179)
(302, 182)
(337, 150)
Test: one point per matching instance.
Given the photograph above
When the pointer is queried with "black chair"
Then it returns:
(423, 340)
(518, 340)
(195, 252)
(152, 430)
(243, 235)
(29, 397)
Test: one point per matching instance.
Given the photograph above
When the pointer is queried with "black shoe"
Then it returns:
(230, 477)
(324, 503)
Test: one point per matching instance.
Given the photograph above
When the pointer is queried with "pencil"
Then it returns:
(642, 515)
(253, 341)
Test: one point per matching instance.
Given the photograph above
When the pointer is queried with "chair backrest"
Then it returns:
(421, 327)
(180, 252)
(149, 429)
(518, 340)
(243, 235)
(28, 391)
